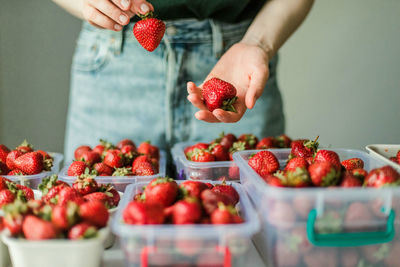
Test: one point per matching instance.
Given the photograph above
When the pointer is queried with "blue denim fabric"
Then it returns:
(119, 90)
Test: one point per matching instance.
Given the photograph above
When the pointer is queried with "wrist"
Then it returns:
(253, 40)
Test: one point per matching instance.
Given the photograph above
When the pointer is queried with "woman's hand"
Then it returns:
(246, 67)
(113, 14)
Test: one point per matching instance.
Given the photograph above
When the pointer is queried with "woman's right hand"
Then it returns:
(113, 14)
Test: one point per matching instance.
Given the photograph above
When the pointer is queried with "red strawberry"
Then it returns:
(129, 151)
(359, 173)
(274, 181)
(398, 156)
(3, 168)
(6, 197)
(50, 182)
(295, 163)
(77, 168)
(384, 176)
(3, 153)
(227, 190)
(303, 148)
(330, 156)
(193, 188)
(189, 150)
(31, 163)
(114, 158)
(64, 216)
(11, 157)
(25, 147)
(35, 228)
(44, 154)
(146, 148)
(28, 193)
(186, 211)
(219, 94)
(264, 163)
(219, 152)
(139, 160)
(67, 194)
(236, 146)
(223, 215)
(51, 196)
(354, 163)
(394, 159)
(15, 172)
(283, 141)
(202, 156)
(211, 199)
(13, 222)
(349, 180)
(298, 178)
(125, 142)
(250, 139)
(161, 190)
(94, 212)
(90, 157)
(3, 183)
(267, 142)
(149, 31)
(234, 173)
(226, 140)
(80, 150)
(82, 230)
(99, 196)
(144, 169)
(143, 213)
(103, 169)
(85, 184)
(323, 174)
(111, 193)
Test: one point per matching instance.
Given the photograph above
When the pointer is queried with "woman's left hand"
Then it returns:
(245, 67)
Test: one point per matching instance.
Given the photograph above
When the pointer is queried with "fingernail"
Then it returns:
(144, 8)
(125, 3)
(117, 27)
(123, 18)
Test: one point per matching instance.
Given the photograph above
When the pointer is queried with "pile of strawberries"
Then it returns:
(10, 191)
(308, 166)
(222, 148)
(24, 160)
(75, 212)
(396, 159)
(124, 159)
(163, 201)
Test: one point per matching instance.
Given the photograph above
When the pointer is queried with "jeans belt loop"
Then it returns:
(217, 38)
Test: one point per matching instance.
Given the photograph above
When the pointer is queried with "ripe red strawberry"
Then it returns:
(3, 183)
(77, 168)
(189, 150)
(193, 188)
(398, 156)
(330, 156)
(224, 215)
(283, 141)
(161, 190)
(35, 228)
(384, 176)
(250, 139)
(11, 157)
(303, 148)
(85, 184)
(3, 153)
(227, 190)
(90, 157)
(360, 173)
(25, 147)
(139, 160)
(202, 156)
(297, 178)
(64, 216)
(149, 31)
(94, 212)
(323, 174)
(125, 142)
(274, 181)
(50, 182)
(99, 196)
(82, 230)
(31, 163)
(236, 146)
(80, 150)
(186, 211)
(349, 180)
(15, 172)
(219, 152)
(103, 169)
(354, 163)
(266, 142)
(44, 154)
(67, 194)
(226, 140)
(13, 222)
(144, 169)
(143, 213)
(295, 163)
(234, 173)
(114, 158)
(211, 199)
(146, 148)
(6, 197)
(264, 163)
(219, 94)
(111, 193)
(394, 159)
(51, 196)
(129, 152)
(28, 193)
(3, 169)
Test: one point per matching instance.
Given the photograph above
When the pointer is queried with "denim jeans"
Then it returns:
(119, 90)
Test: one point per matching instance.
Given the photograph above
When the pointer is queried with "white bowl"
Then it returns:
(384, 152)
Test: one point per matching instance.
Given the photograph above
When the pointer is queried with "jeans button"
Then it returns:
(171, 30)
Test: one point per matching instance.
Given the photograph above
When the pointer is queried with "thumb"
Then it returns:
(258, 79)
(141, 6)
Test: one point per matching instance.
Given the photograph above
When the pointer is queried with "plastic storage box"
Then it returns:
(193, 245)
(324, 226)
(119, 182)
(384, 152)
(187, 169)
(33, 181)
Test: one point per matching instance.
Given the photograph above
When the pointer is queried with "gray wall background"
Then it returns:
(339, 74)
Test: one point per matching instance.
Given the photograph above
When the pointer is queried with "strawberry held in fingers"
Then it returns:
(219, 94)
(149, 31)
(161, 190)
(383, 176)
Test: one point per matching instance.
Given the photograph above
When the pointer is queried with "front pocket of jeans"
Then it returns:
(90, 54)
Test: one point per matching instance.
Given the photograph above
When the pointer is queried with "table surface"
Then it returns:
(113, 257)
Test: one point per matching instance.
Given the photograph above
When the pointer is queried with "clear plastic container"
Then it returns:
(193, 245)
(324, 226)
(33, 181)
(384, 152)
(216, 170)
(119, 182)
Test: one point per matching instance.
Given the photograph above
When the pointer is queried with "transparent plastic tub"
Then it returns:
(193, 245)
(384, 152)
(33, 181)
(324, 226)
(187, 169)
(119, 182)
